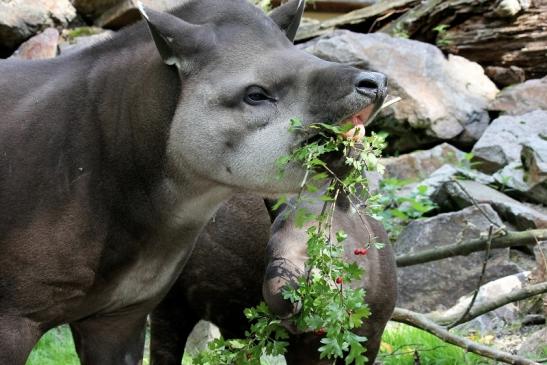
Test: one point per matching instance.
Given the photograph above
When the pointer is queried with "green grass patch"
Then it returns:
(55, 348)
(400, 343)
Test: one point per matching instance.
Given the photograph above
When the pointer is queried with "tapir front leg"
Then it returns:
(17, 338)
(110, 340)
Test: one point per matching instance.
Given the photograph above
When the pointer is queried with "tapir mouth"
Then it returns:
(359, 121)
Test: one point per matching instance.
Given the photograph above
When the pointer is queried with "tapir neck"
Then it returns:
(137, 98)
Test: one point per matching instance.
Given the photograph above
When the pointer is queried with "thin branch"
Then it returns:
(463, 318)
(465, 248)
(476, 204)
(495, 303)
(422, 322)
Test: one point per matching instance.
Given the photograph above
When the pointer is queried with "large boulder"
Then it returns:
(125, 12)
(421, 164)
(502, 142)
(443, 98)
(440, 284)
(522, 98)
(460, 194)
(495, 320)
(93, 8)
(515, 179)
(21, 19)
(534, 346)
(41, 46)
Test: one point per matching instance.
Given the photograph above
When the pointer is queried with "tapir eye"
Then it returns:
(256, 95)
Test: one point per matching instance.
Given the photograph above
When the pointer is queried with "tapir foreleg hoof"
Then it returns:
(115, 340)
(17, 338)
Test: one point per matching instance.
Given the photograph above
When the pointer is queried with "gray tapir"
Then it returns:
(237, 263)
(113, 158)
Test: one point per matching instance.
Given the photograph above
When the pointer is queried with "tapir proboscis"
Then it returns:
(114, 157)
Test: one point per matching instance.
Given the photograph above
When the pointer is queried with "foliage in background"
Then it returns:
(265, 5)
(397, 210)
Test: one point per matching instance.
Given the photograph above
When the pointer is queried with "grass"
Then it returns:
(401, 342)
(55, 348)
(398, 347)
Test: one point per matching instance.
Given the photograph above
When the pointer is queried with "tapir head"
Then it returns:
(242, 81)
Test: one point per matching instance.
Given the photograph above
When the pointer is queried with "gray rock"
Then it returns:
(501, 144)
(534, 158)
(515, 179)
(510, 8)
(505, 76)
(522, 98)
(435, 182)
(125, 12)
(41, 46)
(494, 320)
(21, 19)
(420, 164)
(534, 347)
(445, 98)
(522, 216)
(439, 284)
(93, 8)
(203, 333)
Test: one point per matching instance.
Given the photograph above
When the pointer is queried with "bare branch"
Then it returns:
(422, 322)
(497, 302)
(465, 248)
(465, 315)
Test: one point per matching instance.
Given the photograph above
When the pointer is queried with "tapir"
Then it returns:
(113, 158)
(239, 261)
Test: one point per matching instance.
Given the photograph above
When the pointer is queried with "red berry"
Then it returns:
(320, 332)
(339, 280)
(357, 251)
(364, 251)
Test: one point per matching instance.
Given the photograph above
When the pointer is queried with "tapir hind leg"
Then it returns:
(170, 325)
(17, 338)
(110, 340)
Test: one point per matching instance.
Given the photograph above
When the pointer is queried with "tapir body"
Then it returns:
(230, 271)
(113, 158)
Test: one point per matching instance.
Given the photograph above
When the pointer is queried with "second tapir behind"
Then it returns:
(238, 260)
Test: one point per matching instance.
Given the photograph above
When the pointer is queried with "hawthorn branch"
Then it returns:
(465, 248)
(420, 321)
(497, 302)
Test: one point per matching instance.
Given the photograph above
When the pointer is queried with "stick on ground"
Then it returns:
(420, 321)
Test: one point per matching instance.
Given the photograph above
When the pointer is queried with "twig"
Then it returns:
(422, 322)
(495, 303)
(476, 204)
(463, 318)
(465, 248)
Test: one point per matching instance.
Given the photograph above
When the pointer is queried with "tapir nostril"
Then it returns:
(370, 83)
(367, 84)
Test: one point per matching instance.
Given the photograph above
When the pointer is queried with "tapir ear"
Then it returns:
(176, 40)
(288, 17)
